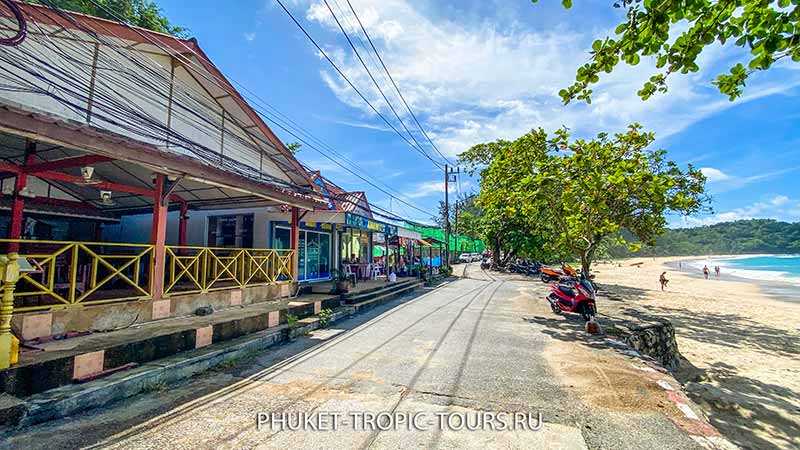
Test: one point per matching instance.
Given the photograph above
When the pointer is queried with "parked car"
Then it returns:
(466, 258)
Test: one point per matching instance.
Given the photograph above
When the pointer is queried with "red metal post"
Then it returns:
(159, 237)
(182, 224)
(295, 241)
(18, 204)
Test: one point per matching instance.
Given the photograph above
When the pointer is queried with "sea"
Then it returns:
(779, 274)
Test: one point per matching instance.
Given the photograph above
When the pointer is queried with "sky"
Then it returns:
(475, 71)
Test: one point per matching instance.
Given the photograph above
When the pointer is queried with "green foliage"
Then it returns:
(464, 222)
(768, 29)
(139, 13)
(291, 321)
(325, 317)
(294, 147)
(741, 236)
(551, 198)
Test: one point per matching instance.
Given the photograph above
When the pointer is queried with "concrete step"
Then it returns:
(380, 298)
(71, 399)
(59, 366)
(362, 296)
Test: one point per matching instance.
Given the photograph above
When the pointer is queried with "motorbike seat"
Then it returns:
(567, 289)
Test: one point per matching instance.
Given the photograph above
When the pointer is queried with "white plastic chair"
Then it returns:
(349, 272)
(376, 271)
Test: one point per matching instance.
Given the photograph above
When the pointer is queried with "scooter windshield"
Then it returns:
(587, 285)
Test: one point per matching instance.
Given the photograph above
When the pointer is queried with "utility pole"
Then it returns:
(447, 172)
(458, 249)
(446, 256)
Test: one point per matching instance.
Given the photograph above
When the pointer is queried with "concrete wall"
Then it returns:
(136, 228)
(107, 317)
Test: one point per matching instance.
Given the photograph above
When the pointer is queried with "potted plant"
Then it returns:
(340, 281)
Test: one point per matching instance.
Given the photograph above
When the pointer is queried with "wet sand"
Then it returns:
(741, 344)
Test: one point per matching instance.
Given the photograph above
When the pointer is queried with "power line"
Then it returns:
(350, 83)
(369, 72)
(394, 83)
(106, 105)
(227, 89)
(260, 103)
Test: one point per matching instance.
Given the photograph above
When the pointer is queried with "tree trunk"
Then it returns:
(586, 263)
(508, 256)
(587, 257)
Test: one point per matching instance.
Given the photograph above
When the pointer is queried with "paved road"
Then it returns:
(462, 350)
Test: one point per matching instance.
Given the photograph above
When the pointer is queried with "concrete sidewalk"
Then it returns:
(462, 349)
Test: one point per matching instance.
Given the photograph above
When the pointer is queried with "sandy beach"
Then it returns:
(742, 346)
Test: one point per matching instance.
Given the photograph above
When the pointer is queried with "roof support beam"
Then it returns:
(106, 185)
(86, 160)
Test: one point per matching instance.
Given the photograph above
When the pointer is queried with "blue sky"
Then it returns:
(475, 71)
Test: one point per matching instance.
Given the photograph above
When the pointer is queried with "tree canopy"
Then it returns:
(676, 32)
(139, 13)
(550, 196)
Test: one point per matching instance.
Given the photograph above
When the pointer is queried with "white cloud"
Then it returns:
(476, 82)
(250, 37)
(713, 175)
(777, 207)
(731, 183)
(779, 200)
(427, 189)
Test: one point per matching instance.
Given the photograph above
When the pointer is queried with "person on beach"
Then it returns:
(705, 272)
(663, 280)
(679, 265)
(716, 270)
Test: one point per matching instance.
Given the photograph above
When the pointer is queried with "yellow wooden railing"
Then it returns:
(69, 273)
(66, 273)
(204, 269)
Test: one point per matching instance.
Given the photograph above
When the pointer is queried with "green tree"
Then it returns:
(571, 197)
(738, 237)
(508, 225)
(294, 147)
(768, 29)
(140, 13)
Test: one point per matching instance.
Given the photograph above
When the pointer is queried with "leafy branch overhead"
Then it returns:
(138, 13)
(768, 29)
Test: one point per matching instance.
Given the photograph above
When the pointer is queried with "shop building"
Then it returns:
(137, 193)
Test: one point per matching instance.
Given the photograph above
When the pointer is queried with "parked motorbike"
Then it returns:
(524, 267)
(574, 296)
(485, 264)
(549, 275)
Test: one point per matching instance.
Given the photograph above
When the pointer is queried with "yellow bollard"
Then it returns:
(9, 274)
(14, 350)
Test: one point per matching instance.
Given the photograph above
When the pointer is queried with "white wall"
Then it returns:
(136, 228)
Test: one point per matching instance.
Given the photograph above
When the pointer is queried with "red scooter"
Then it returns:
(573, 296)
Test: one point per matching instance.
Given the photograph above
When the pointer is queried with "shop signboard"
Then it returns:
(365, 223)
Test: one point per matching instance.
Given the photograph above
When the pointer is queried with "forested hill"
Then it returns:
(741, 236)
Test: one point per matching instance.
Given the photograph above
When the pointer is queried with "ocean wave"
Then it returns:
(731, 266)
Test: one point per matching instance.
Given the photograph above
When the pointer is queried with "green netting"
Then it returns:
(379, 249)
(463, 244)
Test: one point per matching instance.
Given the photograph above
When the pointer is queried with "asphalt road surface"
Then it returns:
(426, 371)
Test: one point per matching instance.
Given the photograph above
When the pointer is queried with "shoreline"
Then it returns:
(775, 289)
